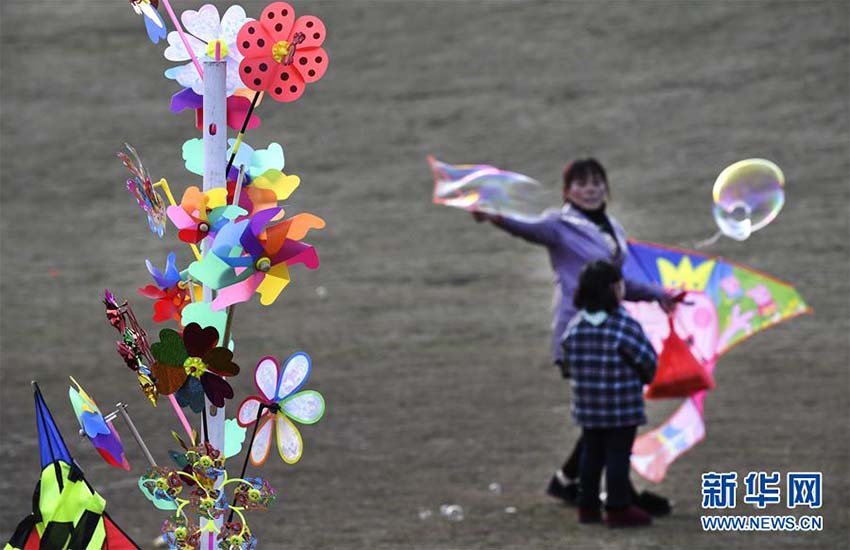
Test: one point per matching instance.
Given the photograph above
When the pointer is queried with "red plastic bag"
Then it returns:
(679, 374)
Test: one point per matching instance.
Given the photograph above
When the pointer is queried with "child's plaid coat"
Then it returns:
(609, 359)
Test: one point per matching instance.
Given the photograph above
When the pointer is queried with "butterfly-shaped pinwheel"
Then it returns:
(252, 255)
(142, 189)
(279, 403)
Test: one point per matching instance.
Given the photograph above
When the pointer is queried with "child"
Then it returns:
(609, 359)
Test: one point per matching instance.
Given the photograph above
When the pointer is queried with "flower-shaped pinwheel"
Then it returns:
(200, 214)
(264, 266)
(254, 494)
(140, 186)
(278, 404)
(191, 366)
(202, 28)
(100, 432)
(238, 107)
(200, 488)
(171, 292)
(181, 533)
(162, 487)
(236, 536)
(282, 54)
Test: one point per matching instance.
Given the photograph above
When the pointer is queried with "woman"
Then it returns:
(580, 233)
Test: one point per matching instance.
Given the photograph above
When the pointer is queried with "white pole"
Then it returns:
(215, 162)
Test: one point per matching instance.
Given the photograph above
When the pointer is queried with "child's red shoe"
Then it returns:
(589, 515)
(628, 517)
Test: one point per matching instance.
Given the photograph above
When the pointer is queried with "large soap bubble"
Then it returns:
(748, 195)
(484, 188)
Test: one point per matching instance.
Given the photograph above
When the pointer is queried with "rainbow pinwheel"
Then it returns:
(171, 292)
(142, 189)
(101, 433)
(282, 54)
(264, 191)
(201, 214)
(192, 365)
(279, 403)
(259, 260)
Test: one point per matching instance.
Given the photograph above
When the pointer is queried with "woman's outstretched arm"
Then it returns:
(538, 232)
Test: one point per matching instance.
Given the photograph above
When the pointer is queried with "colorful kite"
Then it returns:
(67, 512)
(726, 303)
(483, 188)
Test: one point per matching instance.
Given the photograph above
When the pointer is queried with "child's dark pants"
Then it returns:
(608, 448)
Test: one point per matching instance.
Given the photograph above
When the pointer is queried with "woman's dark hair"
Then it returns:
(595, 290)
(582, 170)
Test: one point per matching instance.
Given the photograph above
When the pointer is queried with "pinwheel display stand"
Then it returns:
(243, 244)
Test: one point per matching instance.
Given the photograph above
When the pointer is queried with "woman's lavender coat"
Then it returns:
(572, 241)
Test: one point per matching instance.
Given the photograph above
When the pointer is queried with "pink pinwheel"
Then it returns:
(282, 54)
(279, 403)
(200, 214)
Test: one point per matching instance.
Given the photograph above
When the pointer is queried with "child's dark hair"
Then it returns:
(595, 290)
(582, 170)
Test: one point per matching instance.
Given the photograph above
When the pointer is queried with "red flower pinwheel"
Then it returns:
(192, 365)
(282, 54)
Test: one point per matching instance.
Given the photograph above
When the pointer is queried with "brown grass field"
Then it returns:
(431, 344)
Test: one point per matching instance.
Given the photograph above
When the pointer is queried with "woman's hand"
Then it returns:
(668, 302)
(479, 216)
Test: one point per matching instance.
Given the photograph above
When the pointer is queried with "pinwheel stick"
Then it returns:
(179, 412)
(225, 341)
(238, 190)
(215, 153)
(242, 132)
(185, 40)
(248, 454)
(122, 409)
